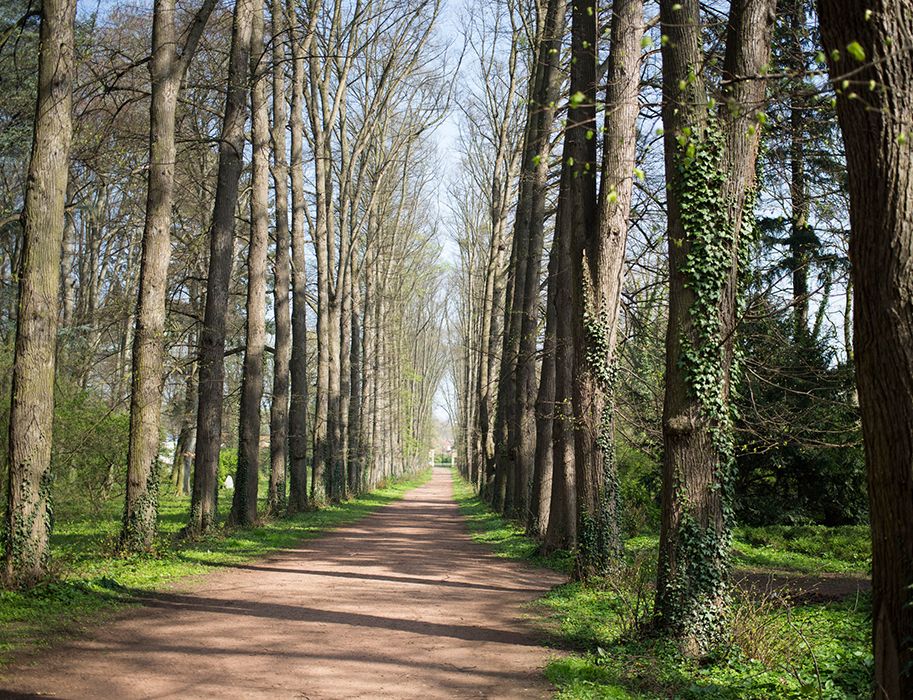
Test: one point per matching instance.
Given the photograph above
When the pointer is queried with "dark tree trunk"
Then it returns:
(244, 502)
(167, 69)
(279, 410)
(298, 408)
(541, 498)
(876, 130)
(523, 439)
(801, 233)
(28, 515)
(221, 244)
(576, 216)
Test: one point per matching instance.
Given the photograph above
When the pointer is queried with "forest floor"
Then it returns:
(403, 603)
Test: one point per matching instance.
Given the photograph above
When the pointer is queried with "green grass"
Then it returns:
(813, 651)
(88, 582)
(504, 537)
(807, 549)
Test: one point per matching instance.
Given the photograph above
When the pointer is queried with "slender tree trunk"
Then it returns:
(493, 485)
(298, 409)
(576, 216)
(876, 130)
(356, 478)
(167, 70)
(322, 448)
(186, 443)
(221, 243)
(599, 258)
(560, 531)
(529, 228)
(279, 408)
(244, 504)
(710, 168)
(28, 514)
(801, 233)
(345, 383)
(541, 498)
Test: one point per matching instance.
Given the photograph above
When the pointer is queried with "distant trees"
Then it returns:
(197, 349)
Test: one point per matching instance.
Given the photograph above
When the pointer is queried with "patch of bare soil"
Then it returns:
(802, 589)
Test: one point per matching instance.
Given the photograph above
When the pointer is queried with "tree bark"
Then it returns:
(599, 259)
(298, 408)
(28, 513)
(221, 243)
(576, 215)
(875, 122)
(244, 503)
(167, 70)
(710, 170)
(522, 441)
(279, 406)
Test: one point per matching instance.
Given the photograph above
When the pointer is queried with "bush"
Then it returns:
(640, 481)
(89, 456)
(89, 449)
(228, 463)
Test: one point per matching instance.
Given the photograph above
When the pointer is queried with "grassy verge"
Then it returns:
(89, 582)
(807, 549)
(506, 538)
(812, 651)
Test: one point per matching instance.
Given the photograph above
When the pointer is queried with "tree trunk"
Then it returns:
(279, 407)
(28, 512)
(244, 504)
(710, 168)
(560, 532)
(541, 497)
(525, 434)
(801, 233)
(576, 215)
(167, 69)
(221, 243)
(298, 408)
(599, 259)
(876, 130)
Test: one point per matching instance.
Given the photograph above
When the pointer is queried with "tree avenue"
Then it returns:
(640, 272)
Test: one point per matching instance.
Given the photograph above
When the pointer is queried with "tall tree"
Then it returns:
(28, 515)
(521, 417)
(221, 244)
(300, 39)
(279, 419)
(868, 51)
(710, 173)
(167, 69)
(599, 259)
(244, 504)
(577, 210)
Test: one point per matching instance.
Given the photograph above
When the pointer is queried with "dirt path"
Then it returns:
(402, 604)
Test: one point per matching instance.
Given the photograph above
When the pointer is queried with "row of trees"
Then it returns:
(273, 261)
(713, 127)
